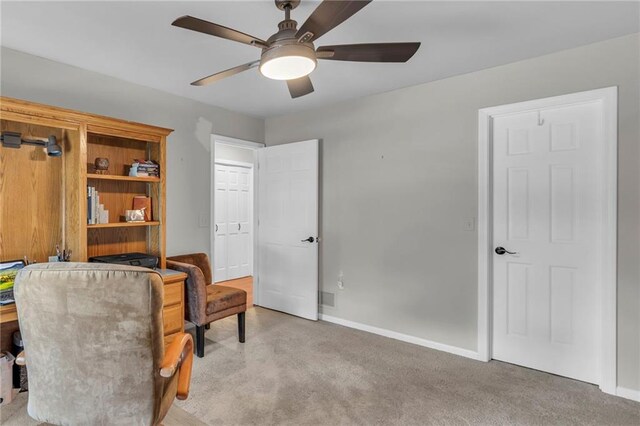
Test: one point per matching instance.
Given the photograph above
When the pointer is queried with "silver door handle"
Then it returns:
(216, 227)
(238, 227)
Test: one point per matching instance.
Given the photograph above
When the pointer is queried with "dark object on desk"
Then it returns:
(14, 140)
(207, 302)
(132, 259)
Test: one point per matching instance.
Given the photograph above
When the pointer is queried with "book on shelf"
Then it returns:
(147, 168)
(96, 213)
(143, 202)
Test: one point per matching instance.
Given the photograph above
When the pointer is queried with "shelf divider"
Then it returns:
(123, 224)
(124, 178)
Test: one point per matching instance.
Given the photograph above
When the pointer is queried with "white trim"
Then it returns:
(608, 311)
(234, 163)
(226, 140)
(254, 146)
(402, 337)
(627, 393)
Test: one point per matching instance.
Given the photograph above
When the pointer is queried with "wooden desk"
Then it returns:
(172, 311)
(8, 313)
(8, 324)
(173, 306)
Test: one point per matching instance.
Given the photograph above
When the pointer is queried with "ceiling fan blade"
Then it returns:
(371, 52)
(223, 74)
(300, 86)
(206, 27)
(328, 15)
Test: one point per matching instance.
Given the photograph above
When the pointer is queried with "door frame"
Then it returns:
(226, 140)
(607, 335)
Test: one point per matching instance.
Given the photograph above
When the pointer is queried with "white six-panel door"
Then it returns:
(233, 225)
(288, 216)
(547, 202)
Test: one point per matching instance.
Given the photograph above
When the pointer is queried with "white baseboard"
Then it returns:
(403, 337)
(627, 393)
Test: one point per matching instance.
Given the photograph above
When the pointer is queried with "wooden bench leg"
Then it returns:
(241, 327)
(200, 341)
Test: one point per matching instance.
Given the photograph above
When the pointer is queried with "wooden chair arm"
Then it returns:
(179, 356)
(21, 359)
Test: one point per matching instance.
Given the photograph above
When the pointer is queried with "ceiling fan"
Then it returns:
(290, 55)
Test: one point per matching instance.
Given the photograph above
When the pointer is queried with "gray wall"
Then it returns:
(188, 148)
(234, 153)
(399, 180)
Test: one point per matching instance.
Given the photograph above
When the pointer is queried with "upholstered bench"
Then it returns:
(207, 302)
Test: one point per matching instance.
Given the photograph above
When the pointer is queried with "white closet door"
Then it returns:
(233, 223)
(245, 231)
(220, 205)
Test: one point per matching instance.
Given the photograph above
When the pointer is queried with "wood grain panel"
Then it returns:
(172, 319)
(8, 313)
(120, 152)
(127, 178)
(6, 335)
(125, 134)
(31, 194)
(168, 338)
(157, 193)
(75, 212)
(117, 196)
(172, 294)
(104, 241)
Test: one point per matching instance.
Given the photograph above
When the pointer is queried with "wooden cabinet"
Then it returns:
(43, 200)
(173, 306)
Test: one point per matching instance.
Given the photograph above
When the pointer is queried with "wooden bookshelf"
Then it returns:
(44, 199)
(56, 211)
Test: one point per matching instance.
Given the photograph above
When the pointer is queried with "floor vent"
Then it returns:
(327, 299)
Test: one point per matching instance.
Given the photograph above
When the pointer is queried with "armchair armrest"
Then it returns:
(179, 356)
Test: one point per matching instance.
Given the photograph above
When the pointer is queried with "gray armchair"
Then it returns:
(94, 345)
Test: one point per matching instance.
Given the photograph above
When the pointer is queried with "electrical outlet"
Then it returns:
(341, 281)
(327, 299)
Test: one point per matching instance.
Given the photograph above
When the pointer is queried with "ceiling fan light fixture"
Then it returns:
(288, 62)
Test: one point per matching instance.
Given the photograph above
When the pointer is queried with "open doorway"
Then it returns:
(233, 213)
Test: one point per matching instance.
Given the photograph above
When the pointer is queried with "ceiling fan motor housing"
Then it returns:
(285, 44)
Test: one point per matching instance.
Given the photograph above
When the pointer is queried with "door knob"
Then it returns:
(502, 250)
(308, 240)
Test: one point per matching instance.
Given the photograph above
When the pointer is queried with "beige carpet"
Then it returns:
(297, 372)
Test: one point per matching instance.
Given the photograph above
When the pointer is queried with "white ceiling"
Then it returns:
(134, 41)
